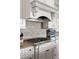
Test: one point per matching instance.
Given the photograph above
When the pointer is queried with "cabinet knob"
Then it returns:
(47, 50)
(29, 49)
(54, 54)
(30, 58)
(54, 47)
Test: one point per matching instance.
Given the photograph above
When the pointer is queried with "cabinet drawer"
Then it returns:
(50, 45)
(45, 46)
(30, 49)
(42, 47)
(27, 52)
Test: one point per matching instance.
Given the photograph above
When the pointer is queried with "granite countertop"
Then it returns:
(28, 43)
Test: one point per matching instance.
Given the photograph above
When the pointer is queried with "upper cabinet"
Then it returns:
(24, 8)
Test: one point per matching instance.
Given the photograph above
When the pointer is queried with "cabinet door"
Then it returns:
(27, 53)
(47, 51)
(42, 51)
(42, 55)
(24, 8)
(55, 53)
(48, 54)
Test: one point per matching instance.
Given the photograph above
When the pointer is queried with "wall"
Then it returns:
(55, 22)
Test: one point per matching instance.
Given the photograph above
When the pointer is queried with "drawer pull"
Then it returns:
(30, 58)
(47, 50)
(54, 54)
(54, 47)
(29, 49)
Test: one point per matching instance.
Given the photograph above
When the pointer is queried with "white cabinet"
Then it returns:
(42, 55)
(46, 51)
(47, 54)
(27, 53)
(43, 51)
(24, 8)
(55, 53)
